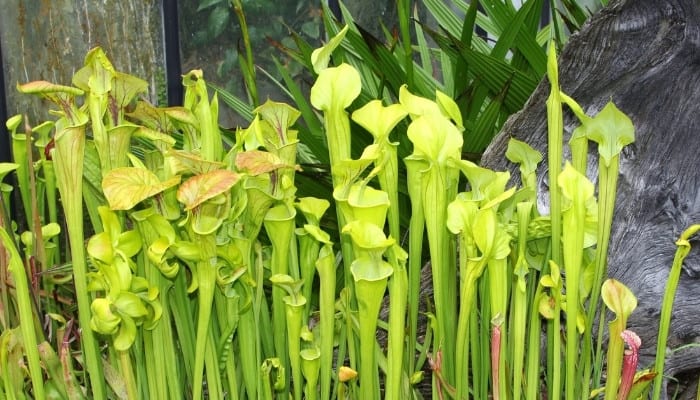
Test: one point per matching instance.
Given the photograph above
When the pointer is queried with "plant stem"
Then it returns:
(532, 376)
(436, 192)
(555, 126)
(68, 160)
(398, 288)
(404, 9)
(462, 345)
(26, 316)
(520, 300)
(682, 251)
(248, 65)
(326, 272)
(127, 372)
(415, 249)
(206, 277)
(607, 190)
(369, 299)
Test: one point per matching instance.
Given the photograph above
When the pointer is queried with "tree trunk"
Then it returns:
(642, 54)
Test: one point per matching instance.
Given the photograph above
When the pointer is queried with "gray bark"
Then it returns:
(642, 54)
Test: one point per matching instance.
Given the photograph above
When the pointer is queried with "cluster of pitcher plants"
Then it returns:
(202, 274)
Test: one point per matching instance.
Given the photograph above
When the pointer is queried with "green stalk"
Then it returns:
(498, 296)
(206, 112)
(183, 319)
(215, 389)
(248, 65)
(415, 249)
(520, 300)
(19, 156)
(335, 89)
(369, 301)
(620, 300)
(682, 251)
(164, 376)
(398, 288)
(326, 298)
(4, 264)
(579, 190)
(532, 375)
(26, 315)
(68, 160)
(463, 335)
(612, 130)
(39, 248)
(388, 181)
(483, 339)
(555, 126)
(310, 363)
(279, 224)
(99, 132)
(607, 188)
(294, 309)
(404, 10)
(227, 313)
(435, 201)
(206, 278)
(556, 350)
(248, 341)
(248, 332)
(127, 372)
(578, 143)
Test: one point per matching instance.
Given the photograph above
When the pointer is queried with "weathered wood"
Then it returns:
(642, 54)
(49, 39)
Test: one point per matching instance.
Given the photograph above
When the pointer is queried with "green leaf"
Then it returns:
(575, 185)
(103, 320)
(336, 88)
(130, 304)
(125, 187)
(378, 119)
(322, 56)
(367, 236)
(127, 87)
(435, 138)
(13, 123)
(100, 247)
(201, 188)
(368, 204)
(484, 230)
(45, 88)
(218, 20)
(612, 130)
(129, 243)
(6, 168)
(461, 213)
(368, 269)
(96, 76)
(187, 251)
(318, 234)
(125, 335)
(313, 208)
(618, 298)
(256, 162)
(449, 108)
(190, 163)
(281, 116)
(522, 153)
(417, 106)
